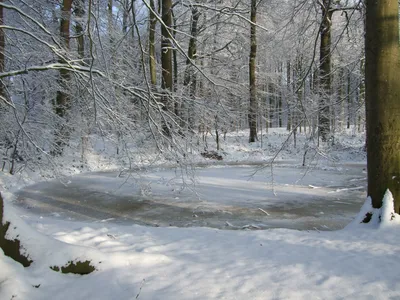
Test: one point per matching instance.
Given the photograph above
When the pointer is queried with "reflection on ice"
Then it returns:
(226, 198)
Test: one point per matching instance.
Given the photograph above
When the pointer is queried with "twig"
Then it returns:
(140, 289)
(265, 212)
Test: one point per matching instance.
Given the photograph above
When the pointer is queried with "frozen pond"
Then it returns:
(226, 197)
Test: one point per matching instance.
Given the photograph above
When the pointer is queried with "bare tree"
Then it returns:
(166, 60)
(325, 69)
(253, 106)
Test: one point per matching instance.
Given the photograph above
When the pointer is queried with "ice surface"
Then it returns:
(227, 197)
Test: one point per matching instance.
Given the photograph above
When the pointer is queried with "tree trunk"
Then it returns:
(289, 98)
(110, 22)
(382, 100)
(62, 102)
(125, 15)
(190, 78)
(62, 99)
(132, 16)
(152, 46)
(361, 94)
(2, 48)
(166, 59)
(271, 105)
(325, 70)
(177, 108)
(80, 12)
(349, 102)
(341, 98)
(252, 74)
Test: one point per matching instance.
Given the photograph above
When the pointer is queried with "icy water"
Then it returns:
(225, 197)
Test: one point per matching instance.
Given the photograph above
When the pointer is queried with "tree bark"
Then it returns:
(177, 108)
(110, 23)
(361, 94)
(125, 15)
(325, 70)
(2, 48)
(252, 74)
(349, 102)
(62, 99)
(166, 59)
(190, 77)
(62, 102)
(382, 100)
(152, 46)
(80, 12)
(289, 98)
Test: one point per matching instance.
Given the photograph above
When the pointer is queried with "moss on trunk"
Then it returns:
(11, 248)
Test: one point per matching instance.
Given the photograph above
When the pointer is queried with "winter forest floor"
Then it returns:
(146, 262)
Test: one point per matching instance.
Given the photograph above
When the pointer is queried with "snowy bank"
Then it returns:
(200, 263)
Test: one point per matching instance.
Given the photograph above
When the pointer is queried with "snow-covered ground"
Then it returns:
(139, 262)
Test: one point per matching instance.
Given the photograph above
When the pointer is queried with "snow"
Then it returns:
(140, 262)
(203, 263)
(388, 217)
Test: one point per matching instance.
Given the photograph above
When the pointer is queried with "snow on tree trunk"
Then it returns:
(387, 210)
(377, 217)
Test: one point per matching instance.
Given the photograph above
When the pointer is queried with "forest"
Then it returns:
(165, 75)
(198, 149)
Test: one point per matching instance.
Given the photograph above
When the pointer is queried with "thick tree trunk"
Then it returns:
(152, 45)
(190, 77)
(110, 24)
(2, 48)
(325, 70)
(340, 99)
(80, 12)
(382, 100)
(62, 102)
(166, 59)
(125, 15)
(252, 74)
(62, 99)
